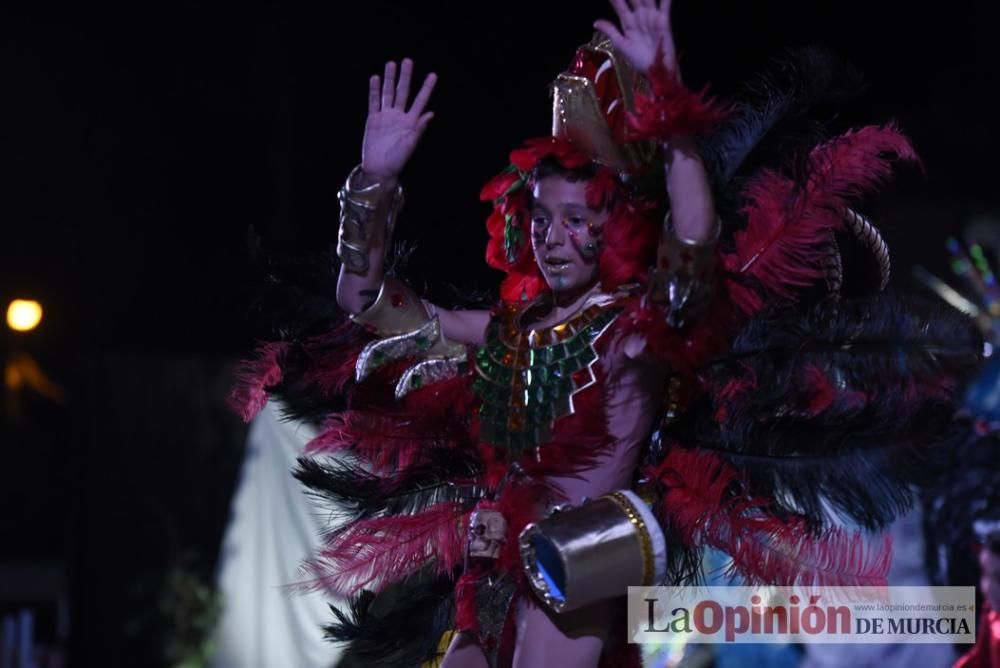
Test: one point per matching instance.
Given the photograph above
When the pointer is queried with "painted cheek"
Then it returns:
(590, 249)
(587, 242)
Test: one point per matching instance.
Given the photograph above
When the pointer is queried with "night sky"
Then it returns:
(140, 142)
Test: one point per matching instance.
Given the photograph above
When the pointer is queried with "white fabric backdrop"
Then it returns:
(273, 526)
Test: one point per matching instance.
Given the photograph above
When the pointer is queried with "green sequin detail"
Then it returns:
(524, 389)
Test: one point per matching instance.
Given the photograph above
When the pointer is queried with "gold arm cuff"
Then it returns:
(396, 310)
(682, 279)
(406, 329)
(358, 208)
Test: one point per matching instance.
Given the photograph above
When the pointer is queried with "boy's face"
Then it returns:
(565, 234)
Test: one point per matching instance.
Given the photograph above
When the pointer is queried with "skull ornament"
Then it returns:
(487, 528)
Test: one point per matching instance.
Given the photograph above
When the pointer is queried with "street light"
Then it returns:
(23, 315)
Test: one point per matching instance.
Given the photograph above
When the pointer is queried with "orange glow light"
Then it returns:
(23, 315)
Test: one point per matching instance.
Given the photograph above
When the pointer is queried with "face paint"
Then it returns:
(565, 234)
(586, 237)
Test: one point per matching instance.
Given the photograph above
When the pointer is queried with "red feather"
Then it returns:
(520, 504)
(703, 505)
(499, 185)
(333, 356)
(578, 441)
(522, 287)
(682, 350)
(788, 224)
(254, 377)
(372, 554)
(629, 243)
(466, 613)
(820, 392)
(769, 551)
(385, 441)
(389, 435)
(672, 109)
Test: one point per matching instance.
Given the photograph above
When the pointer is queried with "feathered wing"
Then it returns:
(843, 402)
(824, 410)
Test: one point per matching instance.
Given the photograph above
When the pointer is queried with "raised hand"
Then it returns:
(645, 29)
(392, 131)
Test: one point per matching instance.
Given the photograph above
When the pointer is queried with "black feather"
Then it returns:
(775, 113)
(397, 628)
(874, 347)
(301, 397)
(356, 493)
(839, 405)
(871, 488)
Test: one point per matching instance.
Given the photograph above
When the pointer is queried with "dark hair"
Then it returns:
(549, 166)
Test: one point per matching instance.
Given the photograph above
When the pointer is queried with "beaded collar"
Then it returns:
(527, 378)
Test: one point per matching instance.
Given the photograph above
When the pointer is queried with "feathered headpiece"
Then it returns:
(603, 113)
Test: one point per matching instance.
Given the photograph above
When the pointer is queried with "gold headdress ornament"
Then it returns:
(590, 106)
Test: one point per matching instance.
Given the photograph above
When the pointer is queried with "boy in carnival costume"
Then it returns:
(501, 480)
